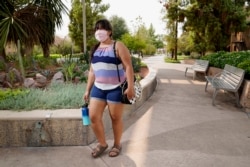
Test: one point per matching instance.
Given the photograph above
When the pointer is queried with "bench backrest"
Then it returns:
(233, 76)
(201, 64)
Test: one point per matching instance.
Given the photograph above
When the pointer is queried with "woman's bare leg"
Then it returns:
(116, 111)
(96, 109)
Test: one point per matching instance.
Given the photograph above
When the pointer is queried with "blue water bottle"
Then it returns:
(85, 114)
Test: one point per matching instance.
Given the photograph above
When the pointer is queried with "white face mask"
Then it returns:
(101, 35)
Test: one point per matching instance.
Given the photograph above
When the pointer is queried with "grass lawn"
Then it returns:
(179, 58)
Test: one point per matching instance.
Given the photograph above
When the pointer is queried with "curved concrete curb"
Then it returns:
(59, 127)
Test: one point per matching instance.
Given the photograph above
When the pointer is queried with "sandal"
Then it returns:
(115, 151)
(98, 150)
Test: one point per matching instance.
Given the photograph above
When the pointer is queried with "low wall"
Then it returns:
(245, 96)
(59, 127)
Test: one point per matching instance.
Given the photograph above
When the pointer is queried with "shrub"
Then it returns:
(237, 59)
(56, 96)
(136, 63)
(11, 93)
(195, 55)
(246, 66)
(2, 66)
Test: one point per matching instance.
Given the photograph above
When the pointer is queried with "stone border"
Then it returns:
(61, 127)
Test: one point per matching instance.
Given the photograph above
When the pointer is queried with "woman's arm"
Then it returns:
(90, 82)
(124, 55)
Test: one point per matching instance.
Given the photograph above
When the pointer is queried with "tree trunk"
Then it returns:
(172, 54)
(46, 51)
(3, 55)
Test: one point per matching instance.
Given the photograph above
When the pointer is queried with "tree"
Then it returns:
(94, 10)
(211, 23)
(119, 27)
(185, 43)
(156, 40)
(148, 36)
(158, 43)
(133, 43)
(143, 40)
(172, 26)
(53, 18)
(31, 22)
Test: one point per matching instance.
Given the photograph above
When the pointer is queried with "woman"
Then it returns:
(103, 86)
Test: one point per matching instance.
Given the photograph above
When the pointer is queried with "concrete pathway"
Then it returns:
(177, 127)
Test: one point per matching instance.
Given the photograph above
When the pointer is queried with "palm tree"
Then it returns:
(53, 18)
(31, 23)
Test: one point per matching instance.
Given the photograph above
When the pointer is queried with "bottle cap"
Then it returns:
(85, 105)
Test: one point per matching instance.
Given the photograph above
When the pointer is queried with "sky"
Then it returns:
(129, 10)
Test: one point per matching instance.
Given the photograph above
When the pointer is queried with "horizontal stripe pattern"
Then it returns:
(104, 64)
(105, 59)
(108, 73)
(99, 66)
(109, 80)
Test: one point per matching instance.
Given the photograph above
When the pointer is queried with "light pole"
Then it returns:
(84, 26)
(176, 35)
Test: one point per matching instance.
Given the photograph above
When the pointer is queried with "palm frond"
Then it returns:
(4, 31)
(31, 22)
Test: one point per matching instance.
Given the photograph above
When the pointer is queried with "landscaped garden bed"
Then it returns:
(55, 86)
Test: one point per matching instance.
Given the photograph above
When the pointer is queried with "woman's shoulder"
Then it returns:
(121, 49)
(119, 44)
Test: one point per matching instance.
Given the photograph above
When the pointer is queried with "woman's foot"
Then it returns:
(115, 151)
(98, 150)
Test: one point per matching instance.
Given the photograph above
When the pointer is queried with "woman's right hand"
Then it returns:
(86, 96)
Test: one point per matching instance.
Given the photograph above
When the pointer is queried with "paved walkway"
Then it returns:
(176, 127)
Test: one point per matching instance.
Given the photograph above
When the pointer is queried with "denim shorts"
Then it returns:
(112, 96)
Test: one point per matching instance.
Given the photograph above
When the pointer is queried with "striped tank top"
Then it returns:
(104, 64)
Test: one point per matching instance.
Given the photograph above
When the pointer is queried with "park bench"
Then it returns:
(229, 79)
(199, 66)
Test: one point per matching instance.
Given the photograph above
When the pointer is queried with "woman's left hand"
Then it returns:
(130, 92)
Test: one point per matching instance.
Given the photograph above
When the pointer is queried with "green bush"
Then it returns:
(2, 66)
(136, 63)
(237, 59)
(56, 96)
(246, 66)
(11, 93)
(195, 55)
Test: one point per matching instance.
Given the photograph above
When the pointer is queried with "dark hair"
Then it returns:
(103, 24)
(93, 50)
(100, 24)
